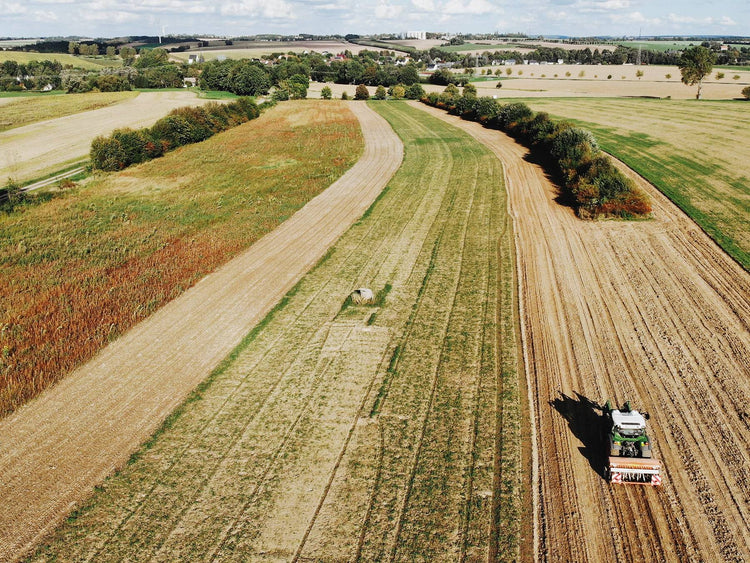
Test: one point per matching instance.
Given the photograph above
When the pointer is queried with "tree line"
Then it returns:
(591, 183)
(183, 126)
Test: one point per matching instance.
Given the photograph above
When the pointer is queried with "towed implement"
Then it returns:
(629, 447)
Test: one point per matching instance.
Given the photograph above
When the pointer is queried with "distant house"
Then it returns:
(509, 62)
(192, 59)
(190, 82)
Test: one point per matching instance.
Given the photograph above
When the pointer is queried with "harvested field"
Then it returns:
(40, 148)
(22, 57)
(81, 269)
(58, 447)
(651, 311)
(351, 433)
(694, 152)
(250, 50)
(16, 112)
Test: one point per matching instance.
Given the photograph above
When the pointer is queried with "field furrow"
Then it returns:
(649, 311)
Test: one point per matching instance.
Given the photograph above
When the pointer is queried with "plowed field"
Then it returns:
(649, 311)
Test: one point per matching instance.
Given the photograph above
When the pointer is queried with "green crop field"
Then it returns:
(343, 432)
(695, 152)
(30, 109)
(63, 58)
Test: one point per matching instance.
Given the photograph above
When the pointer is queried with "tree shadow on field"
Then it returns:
(548, 166)
(587, 421)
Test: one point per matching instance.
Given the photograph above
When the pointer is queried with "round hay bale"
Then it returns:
(363, 296)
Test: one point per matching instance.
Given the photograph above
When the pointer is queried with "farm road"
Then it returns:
(651, 311)
(57, 448)
(30, 151)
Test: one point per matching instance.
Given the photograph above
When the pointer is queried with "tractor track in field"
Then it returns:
(651, 311)
(51, 457)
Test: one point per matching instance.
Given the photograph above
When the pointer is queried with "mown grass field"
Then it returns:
(695, 152)
(351, 432)
(64, 58)
(77, 271)
(32, 109)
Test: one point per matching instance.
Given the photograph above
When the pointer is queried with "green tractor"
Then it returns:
(629, 447)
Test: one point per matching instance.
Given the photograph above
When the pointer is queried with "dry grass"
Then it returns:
(81, 269)
(335, 435)
(25, 110)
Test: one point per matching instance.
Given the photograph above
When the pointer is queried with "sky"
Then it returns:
(112, 18)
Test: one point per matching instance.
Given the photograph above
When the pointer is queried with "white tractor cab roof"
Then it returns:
(628, 422)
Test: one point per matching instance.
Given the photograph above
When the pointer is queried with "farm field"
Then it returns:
(31, 109)
(650, 311)
(22, 57)
(87, 266)
(40, 148)
(694, 152)
(352, 432)
(53, 455)
(249, 50)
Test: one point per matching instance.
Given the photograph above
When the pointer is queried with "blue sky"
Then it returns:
(109, 18)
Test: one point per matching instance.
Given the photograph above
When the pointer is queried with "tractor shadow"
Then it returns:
(587, 421)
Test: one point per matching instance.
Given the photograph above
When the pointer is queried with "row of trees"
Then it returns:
(593, 184)
(182, 126)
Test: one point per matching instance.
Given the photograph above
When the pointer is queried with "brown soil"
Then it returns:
(59, 446)
(650, 311)
(31, 151)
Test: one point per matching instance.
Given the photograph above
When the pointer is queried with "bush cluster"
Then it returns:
(588, 177)
(182, 126)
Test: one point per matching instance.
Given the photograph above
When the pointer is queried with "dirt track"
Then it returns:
(55, 449)
(648, 311)
(30, 151)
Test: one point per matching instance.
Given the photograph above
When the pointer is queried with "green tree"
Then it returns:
(361, 93)
(72, 47)
(249, 80)
(344, 95)
(111, 51)
(399, 92)
(415, 92)
(380, 93)
(151, 57)
(746, 92)
(326, 93)
(695, 64)
(128, 55)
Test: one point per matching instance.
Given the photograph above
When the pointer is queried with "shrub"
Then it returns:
(181, 127)
(415, 92)
(326, 93)
(361, 92)
(380, 93)
(344, 95)
(746, 92)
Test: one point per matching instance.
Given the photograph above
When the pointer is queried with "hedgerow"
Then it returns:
(183, 126)
(589, 179)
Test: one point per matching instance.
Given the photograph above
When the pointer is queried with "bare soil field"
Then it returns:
(382, 432)
(58, 447)
(39, 148)
(650, 311)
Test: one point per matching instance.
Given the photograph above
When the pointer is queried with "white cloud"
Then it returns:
(12, 8)
(470, 8)
(386, 11)
(258, 8)
(424, 5)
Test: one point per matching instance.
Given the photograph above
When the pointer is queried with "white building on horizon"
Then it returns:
(414, 35)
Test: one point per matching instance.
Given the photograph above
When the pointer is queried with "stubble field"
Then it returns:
(345, 432)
